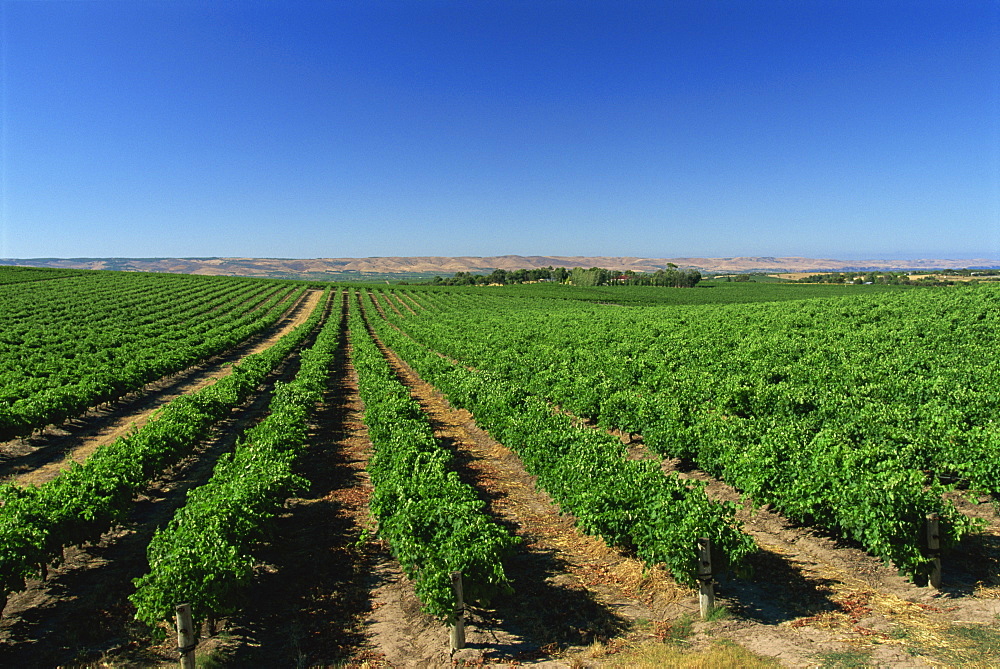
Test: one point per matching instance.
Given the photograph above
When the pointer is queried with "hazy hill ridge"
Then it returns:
(450, 265)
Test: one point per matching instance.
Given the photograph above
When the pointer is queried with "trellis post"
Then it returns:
(934, 549)
(458, 617)
(706, 587)
(185, 637)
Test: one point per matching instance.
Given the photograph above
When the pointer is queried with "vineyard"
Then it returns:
(311, 467)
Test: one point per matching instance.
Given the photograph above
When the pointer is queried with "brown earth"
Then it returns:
(810, 593)
(947, 277)
(794, 276)
(317, 574)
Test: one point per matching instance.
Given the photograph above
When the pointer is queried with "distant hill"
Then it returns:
(426, 266)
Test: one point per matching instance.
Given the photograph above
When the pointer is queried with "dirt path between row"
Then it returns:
(404, 303)
(413, 302)
(312, 591)
(810, 595)
(329, 593)
(80, 613)
(35, 460)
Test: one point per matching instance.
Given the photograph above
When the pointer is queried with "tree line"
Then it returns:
(895, 278)
(672, 276)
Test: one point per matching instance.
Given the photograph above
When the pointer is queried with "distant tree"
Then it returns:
(583, 277)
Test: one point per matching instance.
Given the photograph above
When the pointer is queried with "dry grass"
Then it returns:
(945, 277)
(721, 655)
(794, 276)
(960, 645)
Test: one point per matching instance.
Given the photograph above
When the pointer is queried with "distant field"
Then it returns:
(706, 292)
(350, 276)
(951, 277)
(10, 275)
(794, 276)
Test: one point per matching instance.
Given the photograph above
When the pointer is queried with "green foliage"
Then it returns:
(93, 337)
(552, 296)
(630, 503)
(718, 613)
(88, 499)
(434, 523)
(851, 414)
(577, 276)
(9, 274)
(203, 556)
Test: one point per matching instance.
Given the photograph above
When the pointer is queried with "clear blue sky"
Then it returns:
(841, 128)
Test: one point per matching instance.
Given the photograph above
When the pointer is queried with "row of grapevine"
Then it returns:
(118, 300)
(87, 499)
(14, 274)
(630, 503)
(63, 360)
(434, 523)
(854, 414)
(204, 556)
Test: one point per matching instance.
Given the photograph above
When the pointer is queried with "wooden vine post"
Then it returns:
(934, 549)
(185, 636)
(706, 588)
(457, 619)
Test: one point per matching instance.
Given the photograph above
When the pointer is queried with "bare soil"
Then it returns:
(403, 302)
(316, 575)
(809, 594)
